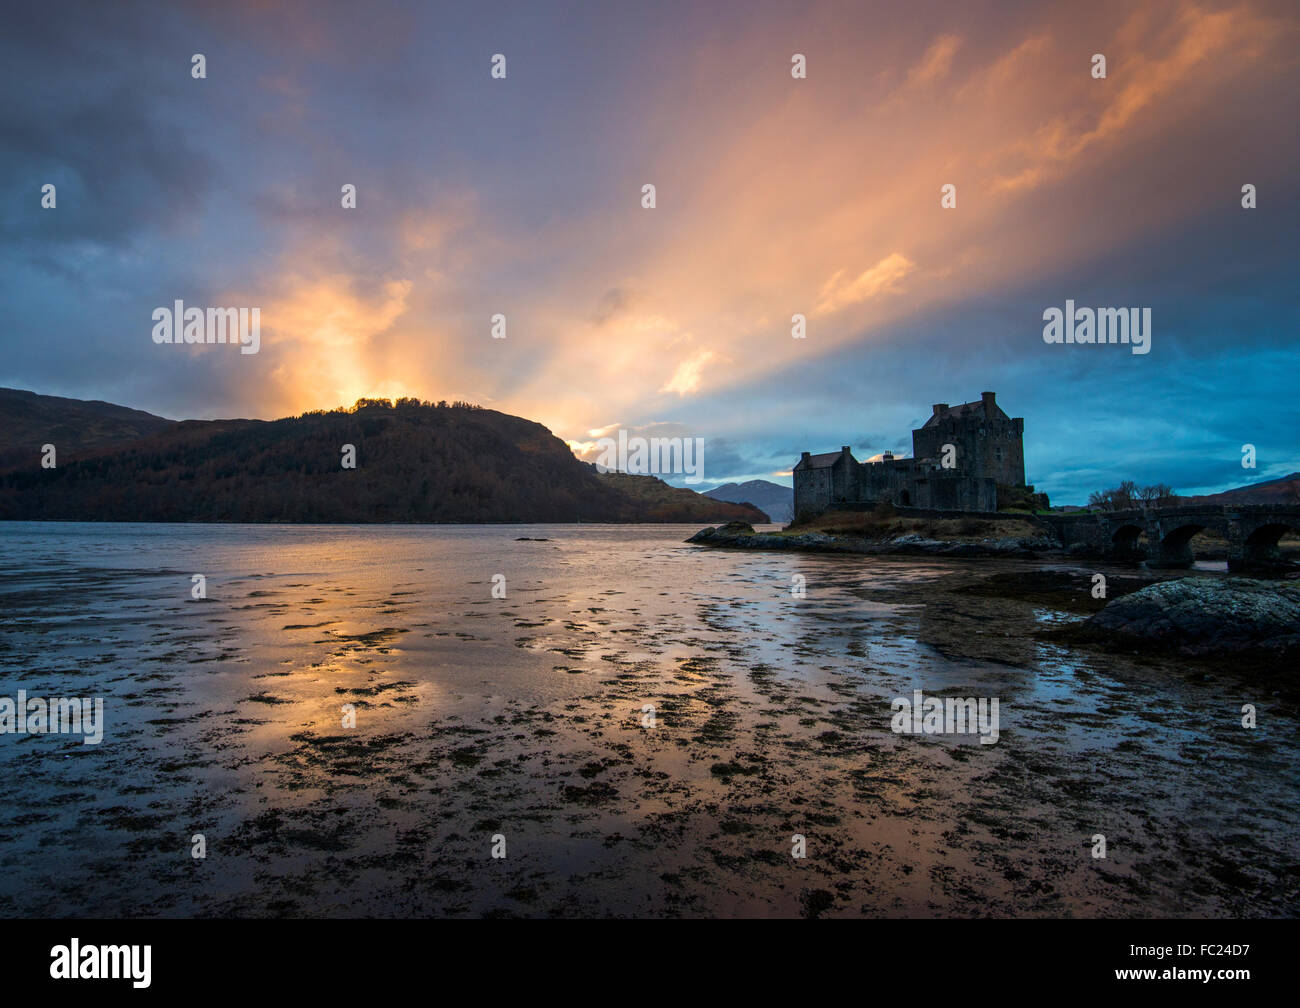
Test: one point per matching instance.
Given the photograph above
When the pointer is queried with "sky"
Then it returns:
(775, 196)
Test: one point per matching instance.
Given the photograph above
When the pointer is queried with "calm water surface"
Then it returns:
(524, 717)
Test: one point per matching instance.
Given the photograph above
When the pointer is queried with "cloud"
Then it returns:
(319, 335)
(936, 62)
(686, 379)
(1143, 73)
(882, 278)
(329, 313)
(613, 303)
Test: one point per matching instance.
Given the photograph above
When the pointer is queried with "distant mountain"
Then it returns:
(415, 462)
(74, 426)
(1283, 490)
(776, 500)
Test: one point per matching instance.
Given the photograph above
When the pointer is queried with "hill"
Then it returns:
(74, 426)
(1283, 490)
(776, 500)
(415, 462)
(664, 503)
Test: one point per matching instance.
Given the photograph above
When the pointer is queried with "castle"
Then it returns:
(960, 456)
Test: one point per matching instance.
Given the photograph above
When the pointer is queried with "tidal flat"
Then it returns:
(525, 718)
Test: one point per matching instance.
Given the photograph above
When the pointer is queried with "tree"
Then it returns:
(1158, 494)
(1128, 494)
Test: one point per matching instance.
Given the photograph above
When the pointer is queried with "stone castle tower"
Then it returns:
(988, 442)
(987, 451)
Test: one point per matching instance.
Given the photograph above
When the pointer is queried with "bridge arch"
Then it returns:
(1124, 542)
(1176, 546)
(1260, 548)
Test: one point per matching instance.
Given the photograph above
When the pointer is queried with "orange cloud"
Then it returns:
(1208, 46)
(690, 372)
(819, 197)
(936, 62)
(318, 340)
(881, 278)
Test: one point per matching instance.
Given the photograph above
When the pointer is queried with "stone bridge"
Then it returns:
(1252, 532)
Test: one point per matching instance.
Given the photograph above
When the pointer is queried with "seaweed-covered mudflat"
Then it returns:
(519, 726)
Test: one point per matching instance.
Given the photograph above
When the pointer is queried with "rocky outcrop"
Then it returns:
(1207, 617)
(738, 535)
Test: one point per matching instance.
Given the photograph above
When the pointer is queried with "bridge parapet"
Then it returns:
(1252, 532)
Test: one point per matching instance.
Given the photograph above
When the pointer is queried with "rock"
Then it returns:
(913, 541)
(1207, 617)
(739, 535)
(916, 544)
(742, 536)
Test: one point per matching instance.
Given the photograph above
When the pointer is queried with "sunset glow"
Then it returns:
(776, 197)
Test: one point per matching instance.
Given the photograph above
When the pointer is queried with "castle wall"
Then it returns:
(842, 478)
(812, 491)
(950, 491)
(890, 480)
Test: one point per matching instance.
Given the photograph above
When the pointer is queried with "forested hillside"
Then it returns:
(415, 462)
